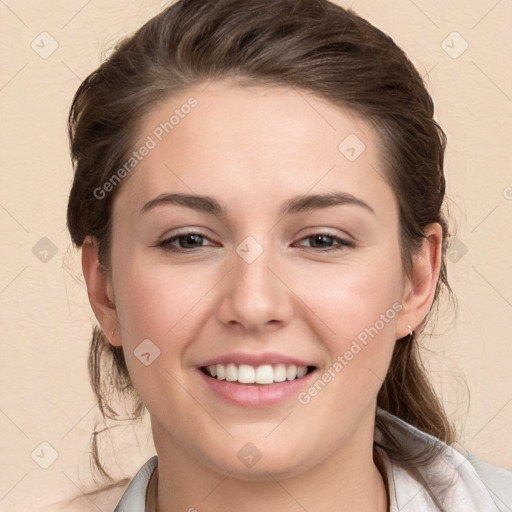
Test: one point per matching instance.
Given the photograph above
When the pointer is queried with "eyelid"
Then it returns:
(343, 241)
(185, 232)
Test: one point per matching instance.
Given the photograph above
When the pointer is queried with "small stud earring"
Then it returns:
(411, 330)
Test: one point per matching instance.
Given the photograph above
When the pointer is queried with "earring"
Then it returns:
(411, 330)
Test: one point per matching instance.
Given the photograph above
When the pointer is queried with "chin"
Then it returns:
(260, 467)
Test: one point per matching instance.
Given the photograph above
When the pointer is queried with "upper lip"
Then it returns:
(255, 360)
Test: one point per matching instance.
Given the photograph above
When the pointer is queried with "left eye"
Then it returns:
(188, 241)
(317, 237)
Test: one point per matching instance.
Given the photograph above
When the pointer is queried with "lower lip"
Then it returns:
(256, 395)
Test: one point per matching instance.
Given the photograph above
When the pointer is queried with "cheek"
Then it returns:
(356, 309)
(156, 303)
(156, 299)
(350, 298)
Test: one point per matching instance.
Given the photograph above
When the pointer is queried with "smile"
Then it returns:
(263, 374)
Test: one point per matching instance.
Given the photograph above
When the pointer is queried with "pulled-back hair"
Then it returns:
(313, 46)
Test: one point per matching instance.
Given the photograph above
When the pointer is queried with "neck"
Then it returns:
(343, 483)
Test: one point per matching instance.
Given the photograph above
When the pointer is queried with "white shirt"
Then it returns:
(477, 487)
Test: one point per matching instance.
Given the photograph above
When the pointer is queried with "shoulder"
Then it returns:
(497, 480)
(134, 498)
(459, 480)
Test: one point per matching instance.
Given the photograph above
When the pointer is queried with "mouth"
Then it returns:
(256, 375)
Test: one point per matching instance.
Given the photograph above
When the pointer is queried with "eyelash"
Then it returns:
(167, 247)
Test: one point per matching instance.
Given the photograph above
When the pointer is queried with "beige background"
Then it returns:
(45, 314)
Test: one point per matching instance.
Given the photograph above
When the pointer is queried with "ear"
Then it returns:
(419, 288)
(100, 292)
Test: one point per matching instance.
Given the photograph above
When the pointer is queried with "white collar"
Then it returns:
(467, 492)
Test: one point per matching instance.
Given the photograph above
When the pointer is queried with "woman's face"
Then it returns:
(264, 283)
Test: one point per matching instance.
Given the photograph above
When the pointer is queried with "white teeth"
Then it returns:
(264, 374)
(280, 373)
(246, 374)
(231, 373)
(291, 372)
(221, 372)
(301, 371)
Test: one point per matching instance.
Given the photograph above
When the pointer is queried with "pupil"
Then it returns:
(320, 238)
(190, 239)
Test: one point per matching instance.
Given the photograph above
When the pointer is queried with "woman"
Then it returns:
(258, 196)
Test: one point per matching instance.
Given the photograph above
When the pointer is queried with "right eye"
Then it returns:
(185, 239)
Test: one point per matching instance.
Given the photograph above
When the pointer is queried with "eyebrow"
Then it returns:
(295, 205)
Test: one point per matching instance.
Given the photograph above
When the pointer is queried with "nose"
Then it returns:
(255, 296)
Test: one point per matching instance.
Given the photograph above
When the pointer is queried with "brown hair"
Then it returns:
(314, 46)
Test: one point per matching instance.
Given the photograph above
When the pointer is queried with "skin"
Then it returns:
(252, 149)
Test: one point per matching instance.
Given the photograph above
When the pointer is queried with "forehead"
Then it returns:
(256, 145)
